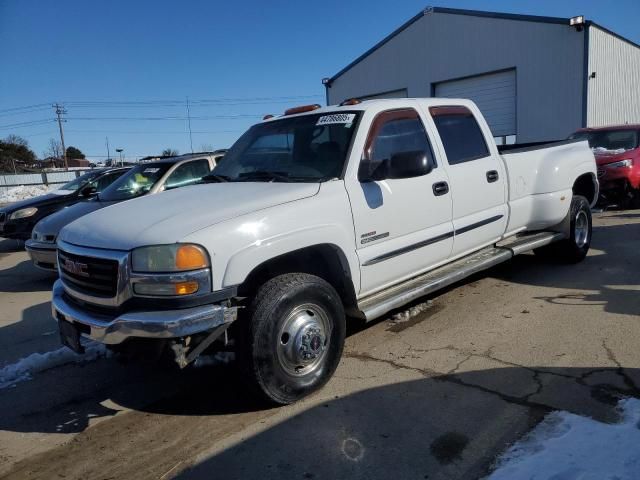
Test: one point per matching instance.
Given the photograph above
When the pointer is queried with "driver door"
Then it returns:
(402, 226)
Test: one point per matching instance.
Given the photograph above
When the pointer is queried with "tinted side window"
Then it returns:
(188, 173)
(106, 180)
(396, 131)
(460, 134)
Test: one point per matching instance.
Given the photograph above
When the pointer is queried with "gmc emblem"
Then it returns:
(76, 268)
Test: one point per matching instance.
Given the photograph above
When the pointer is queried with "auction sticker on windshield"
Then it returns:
(336, 118)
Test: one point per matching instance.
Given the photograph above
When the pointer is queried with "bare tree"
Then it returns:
(54, 149)
(169, 152)
(16, 140)
(206, 147)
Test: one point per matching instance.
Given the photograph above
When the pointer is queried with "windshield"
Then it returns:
(137, 181)
(80, 181)
(309, 148)
(610, 141)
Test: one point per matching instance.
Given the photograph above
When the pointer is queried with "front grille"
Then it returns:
(601, 172)
(90, 275)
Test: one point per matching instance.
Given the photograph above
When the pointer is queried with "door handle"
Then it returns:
(492, 176)
(440, 188)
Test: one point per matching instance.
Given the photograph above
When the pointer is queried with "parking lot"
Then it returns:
(433, 391)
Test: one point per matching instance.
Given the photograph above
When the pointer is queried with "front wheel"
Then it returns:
(295, 336)
(574, 248)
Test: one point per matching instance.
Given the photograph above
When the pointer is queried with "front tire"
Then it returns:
(294, 337)
(574, 248)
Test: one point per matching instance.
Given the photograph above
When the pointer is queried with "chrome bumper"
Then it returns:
(159, 324)
(43, 255)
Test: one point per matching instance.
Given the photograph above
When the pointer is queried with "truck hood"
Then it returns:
(52, 224)
(170, 216)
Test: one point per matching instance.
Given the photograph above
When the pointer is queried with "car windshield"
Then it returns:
(137, 181)
(308, 148)
(80, 181)
(617, 141)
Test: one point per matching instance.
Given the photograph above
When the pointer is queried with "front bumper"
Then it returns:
(16, 229)
(163, 324)
(43, 255)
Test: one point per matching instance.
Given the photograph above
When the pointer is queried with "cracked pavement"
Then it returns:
(435, 391)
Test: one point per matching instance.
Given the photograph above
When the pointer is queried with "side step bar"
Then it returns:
(377, 304)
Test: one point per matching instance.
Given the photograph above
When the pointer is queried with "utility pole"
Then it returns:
(108, 154)
(59, 112)
(189, 120)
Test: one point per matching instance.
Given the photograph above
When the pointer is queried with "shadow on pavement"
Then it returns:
(446, 426)
(26, 277)
(610, 276)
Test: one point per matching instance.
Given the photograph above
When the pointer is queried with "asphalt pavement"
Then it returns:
(433, 391)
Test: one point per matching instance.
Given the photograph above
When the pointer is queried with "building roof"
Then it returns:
(472, 13)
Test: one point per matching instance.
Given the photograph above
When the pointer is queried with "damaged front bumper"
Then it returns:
(162, 324)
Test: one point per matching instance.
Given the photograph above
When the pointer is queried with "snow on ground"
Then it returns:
(24, 368)
(15, 194)
(565, 446)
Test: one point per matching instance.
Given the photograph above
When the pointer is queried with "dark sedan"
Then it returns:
(18, 219)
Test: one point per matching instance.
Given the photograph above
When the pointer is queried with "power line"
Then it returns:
(29, 123)
(173, 117)
(24, 107)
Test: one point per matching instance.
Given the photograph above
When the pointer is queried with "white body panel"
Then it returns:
(243, 225)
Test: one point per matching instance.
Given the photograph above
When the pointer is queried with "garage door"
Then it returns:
(495, 95)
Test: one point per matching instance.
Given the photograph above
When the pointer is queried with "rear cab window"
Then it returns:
(460, 133)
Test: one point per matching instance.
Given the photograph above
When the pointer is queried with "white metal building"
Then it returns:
(534, 78)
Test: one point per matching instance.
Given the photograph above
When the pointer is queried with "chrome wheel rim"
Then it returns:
(581, 229)
(303, 340)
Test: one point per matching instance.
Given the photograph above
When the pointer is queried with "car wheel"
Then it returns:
(294, 337)
(574, 248)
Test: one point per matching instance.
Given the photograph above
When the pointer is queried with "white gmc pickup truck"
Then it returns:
(312, 217)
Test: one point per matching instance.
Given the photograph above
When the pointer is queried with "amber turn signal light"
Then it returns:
(190, 257)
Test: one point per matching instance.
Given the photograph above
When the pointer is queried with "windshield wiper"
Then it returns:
(213, 178)
(264, 175)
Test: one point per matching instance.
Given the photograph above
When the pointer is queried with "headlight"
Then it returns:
(179, 257)
(620, 164)
(23, 213)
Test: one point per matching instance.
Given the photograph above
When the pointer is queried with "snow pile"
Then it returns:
(566, 446)
(23, 192)
(24, 368)
(605, 151)
(411, 312)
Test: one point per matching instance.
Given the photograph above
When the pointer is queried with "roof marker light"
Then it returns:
(268, 116)
(301, 109)
(351, 101)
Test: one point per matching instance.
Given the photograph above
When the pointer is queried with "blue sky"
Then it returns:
(247, 58)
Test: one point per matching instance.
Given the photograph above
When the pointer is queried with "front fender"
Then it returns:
(248, 258)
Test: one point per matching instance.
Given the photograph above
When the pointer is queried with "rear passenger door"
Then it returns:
(188, 173)
(402, 226)
(477, 179)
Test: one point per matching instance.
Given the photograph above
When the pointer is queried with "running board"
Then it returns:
(377, 304)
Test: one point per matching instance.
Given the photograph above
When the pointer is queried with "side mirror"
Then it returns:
(88, 191)
(409, 165)
(401, 165)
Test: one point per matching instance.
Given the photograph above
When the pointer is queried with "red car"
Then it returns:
(617, 152)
